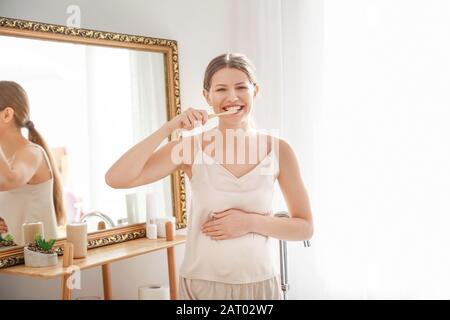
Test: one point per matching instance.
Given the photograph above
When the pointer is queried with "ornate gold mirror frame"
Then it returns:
(37, 30)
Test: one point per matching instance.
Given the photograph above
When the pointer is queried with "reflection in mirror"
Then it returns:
(90, 104)
(6, 239)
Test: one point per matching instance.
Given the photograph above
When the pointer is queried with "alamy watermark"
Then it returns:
(74, 19)
(241, 148)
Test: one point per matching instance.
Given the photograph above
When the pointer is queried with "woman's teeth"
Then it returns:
(239, 108)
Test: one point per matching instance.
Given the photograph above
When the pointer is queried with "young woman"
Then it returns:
(30, 190)
(228, 254)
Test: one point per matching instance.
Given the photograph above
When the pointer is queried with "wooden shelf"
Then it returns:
(97, 257)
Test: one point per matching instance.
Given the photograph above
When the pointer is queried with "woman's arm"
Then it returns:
(234, 222)
(142, 165)
(25, 164)
(300, 225)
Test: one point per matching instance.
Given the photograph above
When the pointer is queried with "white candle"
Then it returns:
(77, 235)
(132, 208)
(30, 230)
(151, 206)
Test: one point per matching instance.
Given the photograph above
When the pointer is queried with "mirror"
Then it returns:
(92, 96)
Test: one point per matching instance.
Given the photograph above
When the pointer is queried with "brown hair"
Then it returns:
(229, 60)
(14, 96)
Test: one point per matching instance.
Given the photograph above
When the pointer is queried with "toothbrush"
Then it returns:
(231, 111)
(178, 133)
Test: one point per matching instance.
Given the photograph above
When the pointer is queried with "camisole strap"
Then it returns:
(47, 160)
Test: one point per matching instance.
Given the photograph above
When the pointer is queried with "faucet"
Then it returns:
(283, 257)
(100, 215)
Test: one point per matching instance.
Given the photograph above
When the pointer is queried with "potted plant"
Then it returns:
(6, 241)
(40, 253)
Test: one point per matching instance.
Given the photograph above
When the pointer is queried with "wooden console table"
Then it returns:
(102, 257)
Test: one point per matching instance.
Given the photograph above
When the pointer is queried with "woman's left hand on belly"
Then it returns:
(228, 224)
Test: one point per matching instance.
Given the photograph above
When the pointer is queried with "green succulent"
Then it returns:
(42, 244)
(7, 238)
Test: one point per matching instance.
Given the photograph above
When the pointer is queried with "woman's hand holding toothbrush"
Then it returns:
(191, 118)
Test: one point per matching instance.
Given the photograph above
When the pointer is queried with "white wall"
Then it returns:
(383, 213)
(202, 29)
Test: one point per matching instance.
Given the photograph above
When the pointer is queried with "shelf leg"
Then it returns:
(171, 263)
(107, 290)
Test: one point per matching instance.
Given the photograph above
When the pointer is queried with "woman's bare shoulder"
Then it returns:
(279, 146)
(29, 152)
(273, 142)
(287, 156)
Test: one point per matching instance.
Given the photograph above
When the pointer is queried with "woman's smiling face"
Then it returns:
(231, 88)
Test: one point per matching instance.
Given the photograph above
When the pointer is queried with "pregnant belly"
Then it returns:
(249, 255)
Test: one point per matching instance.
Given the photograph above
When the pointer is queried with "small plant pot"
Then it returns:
(4, 244)
(39, 259)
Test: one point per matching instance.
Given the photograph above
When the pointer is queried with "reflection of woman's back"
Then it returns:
(30, 184)
(30, 203)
